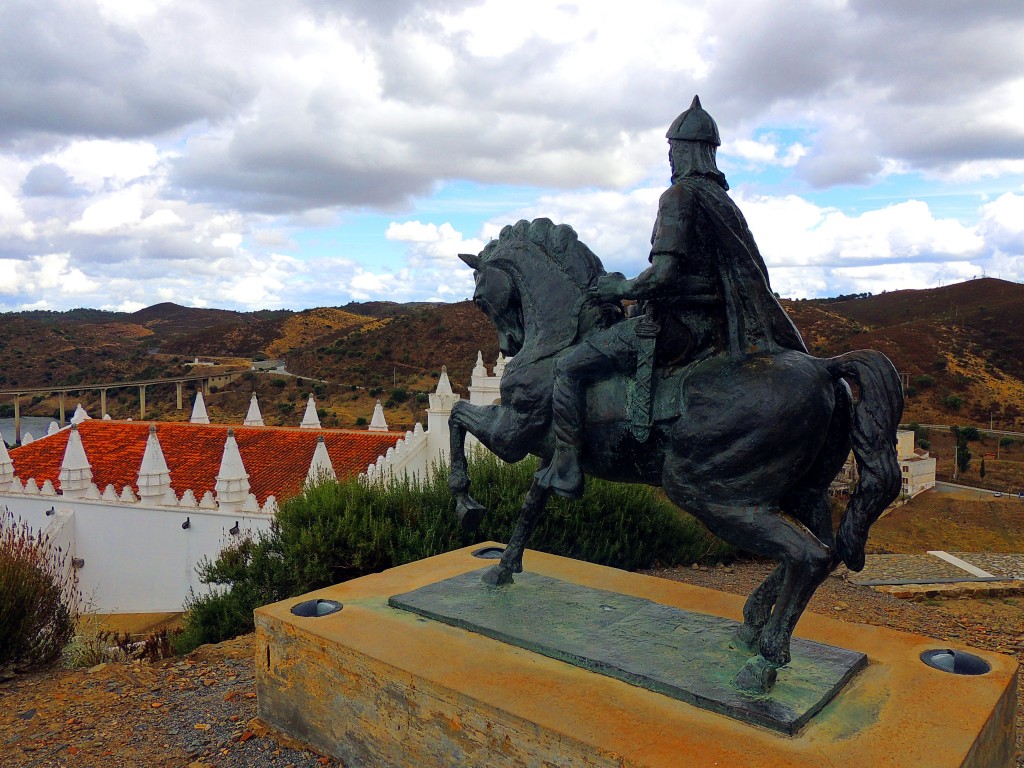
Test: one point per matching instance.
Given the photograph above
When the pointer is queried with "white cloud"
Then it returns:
(50, 276)
(432, 245)
(160, 169)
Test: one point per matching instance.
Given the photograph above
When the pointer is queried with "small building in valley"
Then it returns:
(917, 467)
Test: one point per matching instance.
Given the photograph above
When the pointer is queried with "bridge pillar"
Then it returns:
(17, 420)
(103, 403)
(142, 402)
(61, 408)
(177, 386)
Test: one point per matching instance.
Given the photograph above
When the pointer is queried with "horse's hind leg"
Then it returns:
(804, 563)
(758, 609)
(811, 507)
(512, 559)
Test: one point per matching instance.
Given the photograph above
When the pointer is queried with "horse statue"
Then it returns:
(747, 445)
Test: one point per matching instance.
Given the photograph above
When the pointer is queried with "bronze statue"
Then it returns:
(705, 292)
(708, 393)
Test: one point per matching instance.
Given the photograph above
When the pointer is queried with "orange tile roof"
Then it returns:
(276, 458)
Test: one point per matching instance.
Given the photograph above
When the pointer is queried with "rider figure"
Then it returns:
(707, 289)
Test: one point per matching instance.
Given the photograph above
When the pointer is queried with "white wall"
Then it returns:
(137, 558)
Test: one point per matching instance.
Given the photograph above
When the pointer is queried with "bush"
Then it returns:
(970, 433)
(333, 532)
(1006, 442)
(38, 597)
(925, 381)
(924, 445)
(953, 402)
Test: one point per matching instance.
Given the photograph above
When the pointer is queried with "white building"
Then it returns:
(137, 505)
(917, 467)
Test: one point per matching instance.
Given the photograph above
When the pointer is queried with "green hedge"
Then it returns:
(333, 532)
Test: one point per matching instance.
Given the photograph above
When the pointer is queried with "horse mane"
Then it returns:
(559, 242)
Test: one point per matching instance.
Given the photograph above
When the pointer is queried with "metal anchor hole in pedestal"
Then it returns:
(315, 608)
(489, 553)
(956, 662)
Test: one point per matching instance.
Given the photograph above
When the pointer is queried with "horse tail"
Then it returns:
(876, 416)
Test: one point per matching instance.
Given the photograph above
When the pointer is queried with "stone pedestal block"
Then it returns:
(375, 686)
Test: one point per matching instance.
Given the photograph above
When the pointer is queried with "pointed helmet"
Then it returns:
(694, 125)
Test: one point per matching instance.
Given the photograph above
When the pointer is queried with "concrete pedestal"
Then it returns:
(376, 686)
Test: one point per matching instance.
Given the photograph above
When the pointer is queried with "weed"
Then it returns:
(38, 596)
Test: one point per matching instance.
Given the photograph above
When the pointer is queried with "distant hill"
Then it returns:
(959, 348)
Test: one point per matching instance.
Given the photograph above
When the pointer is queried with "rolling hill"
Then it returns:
(959, 349)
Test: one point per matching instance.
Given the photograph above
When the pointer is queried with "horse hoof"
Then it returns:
(746, 637)
(471, 513)
(496, 576)
(757, 676)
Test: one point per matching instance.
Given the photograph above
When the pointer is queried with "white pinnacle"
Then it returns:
(232, 484)
(154, 477)
(199, 415)
(254, 418)
(378, 423)
(479, 369)
(75, 472)
(444, 386)
(310, 420)
(79, 415)
(320, 468)
(6, 467)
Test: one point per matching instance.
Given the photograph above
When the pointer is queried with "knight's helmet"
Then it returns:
(694, 125)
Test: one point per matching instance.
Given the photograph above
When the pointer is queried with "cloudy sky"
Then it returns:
(258, 153)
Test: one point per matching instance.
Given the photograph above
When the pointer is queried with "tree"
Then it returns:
(981, 470)
(963, 456)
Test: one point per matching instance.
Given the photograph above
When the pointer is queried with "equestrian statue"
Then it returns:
(690, 377)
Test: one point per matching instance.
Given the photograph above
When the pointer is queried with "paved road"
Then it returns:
(972, 494)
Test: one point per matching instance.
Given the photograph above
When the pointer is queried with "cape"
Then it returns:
(755, 320)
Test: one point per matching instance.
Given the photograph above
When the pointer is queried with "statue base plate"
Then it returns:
(377, 686)
(688, 656)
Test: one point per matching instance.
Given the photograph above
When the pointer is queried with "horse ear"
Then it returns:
(471, 259)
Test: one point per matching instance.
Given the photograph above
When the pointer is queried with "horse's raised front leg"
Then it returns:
(469, 510)
(500, 429)
(512, 559)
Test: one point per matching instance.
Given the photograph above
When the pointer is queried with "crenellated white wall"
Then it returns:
(421, 448)
(137, 558)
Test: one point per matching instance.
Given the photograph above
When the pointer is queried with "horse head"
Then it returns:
(531, 282)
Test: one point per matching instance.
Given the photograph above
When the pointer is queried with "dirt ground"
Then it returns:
(196, 711)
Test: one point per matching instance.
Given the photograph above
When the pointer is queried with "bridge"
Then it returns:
(202, 382)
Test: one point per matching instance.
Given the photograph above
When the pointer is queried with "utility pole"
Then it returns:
(956, 452)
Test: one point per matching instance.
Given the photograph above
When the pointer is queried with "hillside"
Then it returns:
(959, 349)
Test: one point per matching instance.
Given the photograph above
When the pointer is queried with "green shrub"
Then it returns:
(925, 381)
(333, 532)
(953, 402)
(970, 433)
(37, 597)
(924, 444)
